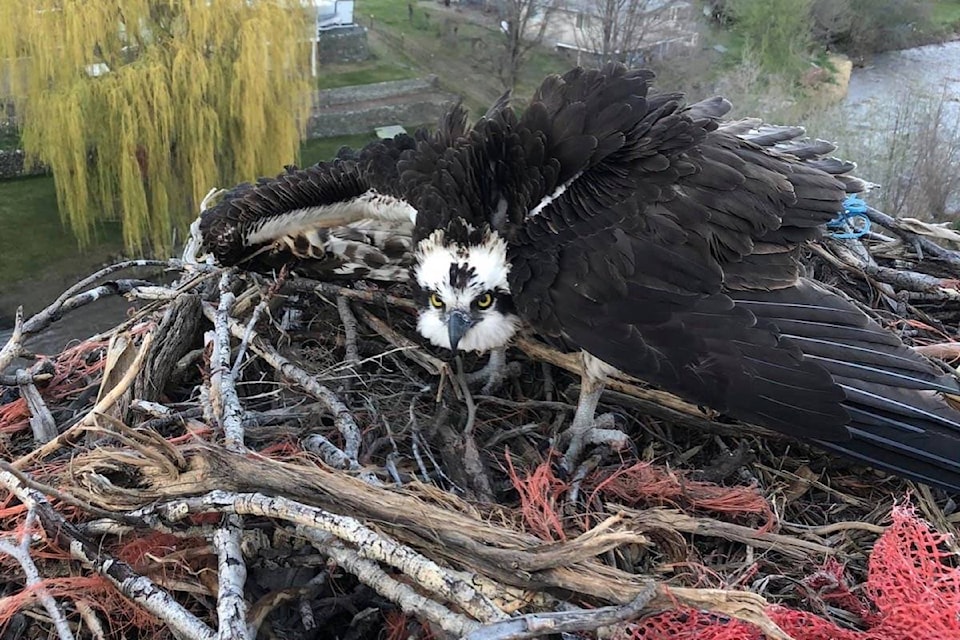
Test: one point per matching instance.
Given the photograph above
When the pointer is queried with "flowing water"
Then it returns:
(896, 75)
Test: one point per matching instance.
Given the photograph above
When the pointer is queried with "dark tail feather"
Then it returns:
(900, 420)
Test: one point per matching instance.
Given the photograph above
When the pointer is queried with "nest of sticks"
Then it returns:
(283, 458)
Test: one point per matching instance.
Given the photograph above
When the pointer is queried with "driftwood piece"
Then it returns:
(173, 337)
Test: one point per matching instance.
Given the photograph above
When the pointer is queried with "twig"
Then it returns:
(471, 455)
(952, 258)
(942, 350)
(351, 352)
(62, 496)
(370, 573)
(90, 618)
(21, 553)
(678, 521)
(41, 420)
(245, 341)
(331, 453)
(14, 346)
(535, 625)
(369, 543)
(223, 390)
(369, 297)
(900, 278)
(232, 575)
(342, 417)
(138, 588)
(413, 351)
(52, 312)
(231, 569)
(107, 401)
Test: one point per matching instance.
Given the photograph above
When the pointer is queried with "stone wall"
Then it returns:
(361, 108)
(344, 44)
(12, 165)
(376, 91)
(365, 120)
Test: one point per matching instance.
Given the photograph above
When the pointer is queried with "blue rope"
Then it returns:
(852, 222)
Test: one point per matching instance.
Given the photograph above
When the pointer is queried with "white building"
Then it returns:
(332, 14)
(662, 27)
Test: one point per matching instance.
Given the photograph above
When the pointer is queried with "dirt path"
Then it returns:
(471, 78)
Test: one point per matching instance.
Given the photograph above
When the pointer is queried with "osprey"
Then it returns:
(644, 233)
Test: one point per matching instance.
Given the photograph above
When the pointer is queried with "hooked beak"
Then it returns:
(458, 323)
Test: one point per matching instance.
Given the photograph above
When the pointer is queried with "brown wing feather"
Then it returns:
(691, 282)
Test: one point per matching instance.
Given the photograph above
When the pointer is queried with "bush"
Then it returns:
(861, 27)
(776, 33)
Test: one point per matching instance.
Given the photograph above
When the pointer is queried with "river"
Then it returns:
(889, 77)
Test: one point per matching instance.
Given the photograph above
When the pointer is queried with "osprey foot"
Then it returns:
(492, 375)
(599, 430)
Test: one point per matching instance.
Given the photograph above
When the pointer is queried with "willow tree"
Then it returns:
(140, 106)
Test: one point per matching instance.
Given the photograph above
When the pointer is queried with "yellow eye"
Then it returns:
(484, 301)
(435, 301)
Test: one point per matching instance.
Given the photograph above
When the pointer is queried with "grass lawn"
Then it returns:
(34, 239)
(314, 151)
(343, 75)
(946, 13)
(35, 243)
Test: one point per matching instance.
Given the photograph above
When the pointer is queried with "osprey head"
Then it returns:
(460, 275)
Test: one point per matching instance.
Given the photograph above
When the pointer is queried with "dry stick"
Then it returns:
(535, 625)
(222, 384)
(413, 351)
(21, 553)
(64, 497)
(931, 248)
(90, 619)
(656, 402)
(342, 417)
(351, 352)
(678, 521)
(245, 342)
(331, 453)
(369, 543)
(44, 318)
(101, 407)
(942, 350)
(369, 573)
(42, 424)
(368, 297)
(138, 588)
(232, 573)
(900, 278)
(231, 568)
(351, 447)
(14, 346)
(512, 557)
(471, 455)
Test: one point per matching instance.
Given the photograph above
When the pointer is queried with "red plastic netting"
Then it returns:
(912, 593)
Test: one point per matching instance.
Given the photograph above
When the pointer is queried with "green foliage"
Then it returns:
(193, 95)
(860, 27)
(946, 13)
(776, 33)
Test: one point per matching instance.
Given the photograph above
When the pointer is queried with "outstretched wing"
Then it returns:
(302, 215)
(690, 279)
(283, 217)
